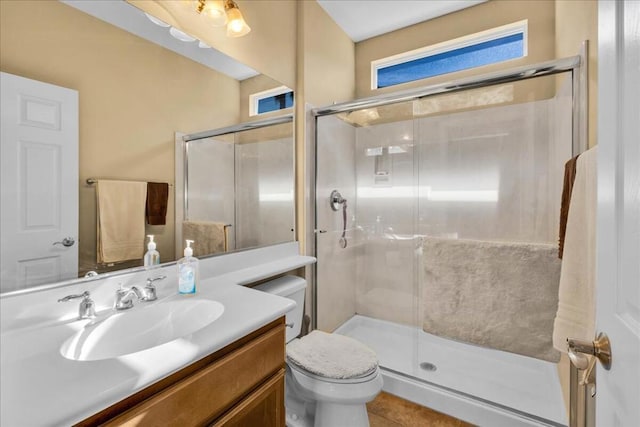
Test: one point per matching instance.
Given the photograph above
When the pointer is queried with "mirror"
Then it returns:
(134, 95)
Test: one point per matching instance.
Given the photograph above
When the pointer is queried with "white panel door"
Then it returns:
(618, 288)
(39, 182)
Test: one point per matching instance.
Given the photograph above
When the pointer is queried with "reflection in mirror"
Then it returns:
(238, 191)
(129, 86)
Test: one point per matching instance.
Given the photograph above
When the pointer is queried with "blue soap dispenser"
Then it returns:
(188, 271)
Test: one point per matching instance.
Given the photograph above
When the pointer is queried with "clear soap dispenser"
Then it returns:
(188, 271)
(152, 256)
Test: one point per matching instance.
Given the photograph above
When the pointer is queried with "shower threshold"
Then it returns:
(479, 385)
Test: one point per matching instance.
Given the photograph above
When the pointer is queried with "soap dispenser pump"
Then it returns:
(188, 271)
(152, 256)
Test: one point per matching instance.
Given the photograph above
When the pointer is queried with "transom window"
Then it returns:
(475, 50)
(270, 100)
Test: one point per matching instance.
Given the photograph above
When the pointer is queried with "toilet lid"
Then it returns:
(332, 355)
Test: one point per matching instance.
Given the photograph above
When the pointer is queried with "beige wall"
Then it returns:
(270, 47)
(133, 96)
(576, 21)
(485, 16)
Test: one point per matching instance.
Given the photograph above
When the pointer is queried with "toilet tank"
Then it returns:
(291, 287)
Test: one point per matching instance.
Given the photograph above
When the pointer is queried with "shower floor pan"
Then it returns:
(479, 385)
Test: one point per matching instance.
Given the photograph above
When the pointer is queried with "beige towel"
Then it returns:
(208, 237)
(576, 304)
(499, 295)
(120, 220)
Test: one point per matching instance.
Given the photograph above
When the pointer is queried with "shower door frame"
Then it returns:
(576, 65)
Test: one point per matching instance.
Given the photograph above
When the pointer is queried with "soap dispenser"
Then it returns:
(188, 271)
(152, 257)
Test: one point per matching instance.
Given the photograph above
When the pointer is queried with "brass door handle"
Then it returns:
(600, 348)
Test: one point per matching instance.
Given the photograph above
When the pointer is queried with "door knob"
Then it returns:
(600, 348)
(66, 242)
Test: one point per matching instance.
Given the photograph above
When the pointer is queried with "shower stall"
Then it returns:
(436, 230)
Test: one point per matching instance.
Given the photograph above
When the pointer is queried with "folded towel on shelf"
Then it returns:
(208, 237)
(120, 220)
(500, 295)
(567, 187)
(575, 317)
(157, 201)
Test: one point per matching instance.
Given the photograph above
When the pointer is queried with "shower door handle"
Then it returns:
(600, 348)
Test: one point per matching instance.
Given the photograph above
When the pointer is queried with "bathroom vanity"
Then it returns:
(228, 372)
(241, 384)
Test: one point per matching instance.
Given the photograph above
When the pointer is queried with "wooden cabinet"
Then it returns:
(240, 385)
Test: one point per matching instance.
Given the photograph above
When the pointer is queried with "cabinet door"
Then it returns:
(210, 392)
(264, 407)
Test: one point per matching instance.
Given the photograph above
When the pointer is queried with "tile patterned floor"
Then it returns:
(388, 410)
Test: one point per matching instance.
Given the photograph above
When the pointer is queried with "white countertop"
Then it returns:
(41, 387)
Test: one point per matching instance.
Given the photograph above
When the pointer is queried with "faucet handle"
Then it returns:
(150, 289)
(87, 308)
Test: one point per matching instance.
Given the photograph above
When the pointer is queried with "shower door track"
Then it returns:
(577, 65)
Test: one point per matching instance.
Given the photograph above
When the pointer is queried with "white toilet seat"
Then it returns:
(332, 356)
(299, 370)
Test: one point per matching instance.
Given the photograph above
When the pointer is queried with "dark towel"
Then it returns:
(157, 200)
(567, 187)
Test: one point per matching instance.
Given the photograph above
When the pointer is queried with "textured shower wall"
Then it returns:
(336, 275)
(491, 174)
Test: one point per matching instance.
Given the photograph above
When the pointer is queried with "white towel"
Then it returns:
(120, 220)
(576, 295)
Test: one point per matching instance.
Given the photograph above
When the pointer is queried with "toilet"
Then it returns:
(329, 377)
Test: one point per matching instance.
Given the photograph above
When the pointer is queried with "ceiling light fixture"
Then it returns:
(213, 10)
(221, 12)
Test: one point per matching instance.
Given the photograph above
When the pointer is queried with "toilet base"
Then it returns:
(303, 409)
(329, 415)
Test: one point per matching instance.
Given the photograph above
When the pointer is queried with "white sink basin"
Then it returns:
(140, 329)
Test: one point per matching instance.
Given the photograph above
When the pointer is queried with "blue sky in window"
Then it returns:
(489, 52)
(276, 102)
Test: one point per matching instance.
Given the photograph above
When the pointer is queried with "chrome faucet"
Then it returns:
(150, 289)
(124, 297)
(87, 308)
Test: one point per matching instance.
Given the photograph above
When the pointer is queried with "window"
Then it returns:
(475, 50)
(270, 100)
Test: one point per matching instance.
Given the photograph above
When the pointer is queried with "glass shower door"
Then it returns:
(490, 177)
(367, 289)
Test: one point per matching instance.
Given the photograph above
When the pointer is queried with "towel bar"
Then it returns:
(91, 181)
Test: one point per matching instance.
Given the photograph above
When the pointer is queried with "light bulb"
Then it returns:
(214, 11)
(236, 26)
